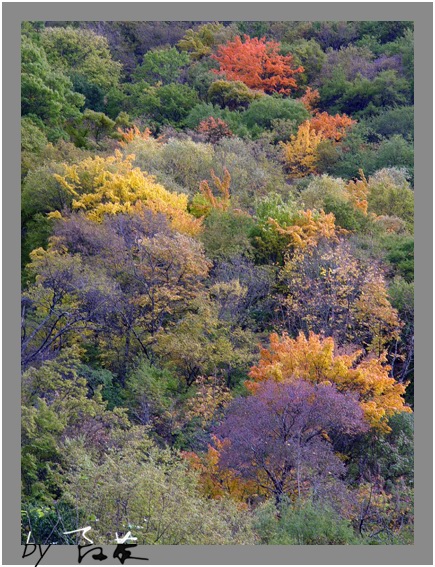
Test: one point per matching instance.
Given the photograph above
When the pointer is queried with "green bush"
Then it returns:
(303, 524)
(262, 112)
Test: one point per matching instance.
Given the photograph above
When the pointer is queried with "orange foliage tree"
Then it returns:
(310, 99)
(300, 153)
(205, 201)
(218, 482)
(131, 134)
(314, 359)
(331, 127)
(258, 64)
(214, 129)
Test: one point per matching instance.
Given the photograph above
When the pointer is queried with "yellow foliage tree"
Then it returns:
(374, 312)
(211, 396)
(330, 291)
(108, 186)
(307, 228)
(300, 151)
(314, 359)
(358, 191)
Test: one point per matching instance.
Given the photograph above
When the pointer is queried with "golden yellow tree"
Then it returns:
(300, 151)
(358, 191)
(307, 228)
(108, 186)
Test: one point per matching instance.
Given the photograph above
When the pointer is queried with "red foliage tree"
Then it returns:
(258, 64)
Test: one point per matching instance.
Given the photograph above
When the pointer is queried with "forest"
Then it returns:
(217, 321)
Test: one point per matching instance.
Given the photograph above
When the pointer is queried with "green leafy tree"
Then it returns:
(263, 111)
(81, 53)
(46, 93)
(161, 66)
(200, 42)
(201, 344)
(169, 104)
(56, 404)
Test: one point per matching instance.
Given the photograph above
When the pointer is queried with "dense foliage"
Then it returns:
(217, 306)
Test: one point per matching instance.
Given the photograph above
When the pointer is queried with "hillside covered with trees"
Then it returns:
(217, 282)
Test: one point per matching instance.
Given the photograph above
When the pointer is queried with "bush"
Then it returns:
(233, 95)
(226, 234)
(262, 112)
(390, 194)
(303, 524)
(393, 121)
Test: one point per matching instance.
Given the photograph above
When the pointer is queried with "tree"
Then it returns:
(109, 186)
(258, 64)
(68, 297)
(300, 153)
(234, 95)
(56, 404)
(92, 126)
(329, 290)
(307, 229)
(331, 127)
(304, 524)
(169, 104)
(161, 66)
(314, 359)
(345, 201)
(200, 42)
(33, 144)
(151, 490)
(205, 201)
(123, 279)
(282, 229)
(214, 130)
(202, 344)
(390, 194)
(279, 436)
(264, 111)
(226, 233)
(46, 93)
(310, 55)
(81, 53)
(217, 482)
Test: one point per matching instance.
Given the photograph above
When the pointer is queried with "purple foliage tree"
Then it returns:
(279, 436)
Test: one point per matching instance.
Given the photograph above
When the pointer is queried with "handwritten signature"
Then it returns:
(122, 552)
